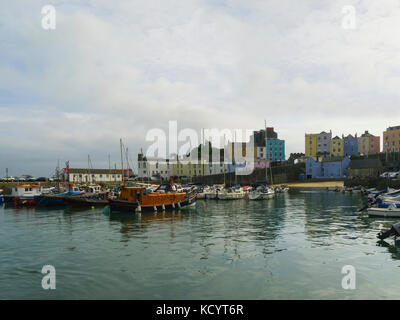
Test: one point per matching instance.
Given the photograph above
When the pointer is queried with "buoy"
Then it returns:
(92, 207)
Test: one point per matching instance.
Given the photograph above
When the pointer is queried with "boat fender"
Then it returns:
(155, 208)
(139, 208)
(163, 207)
(179, 204)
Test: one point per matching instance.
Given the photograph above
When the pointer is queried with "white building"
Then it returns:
(92, 175)
(154, 167)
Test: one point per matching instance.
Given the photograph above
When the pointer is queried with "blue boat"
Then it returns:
(1, 197)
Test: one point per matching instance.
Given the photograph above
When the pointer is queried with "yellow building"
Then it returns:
(337, 147)
(391, 139)
(311, 145)
(189, 169)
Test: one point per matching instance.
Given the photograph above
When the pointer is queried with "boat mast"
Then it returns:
(266, 151)
(109, 166)
(127, 163)
(122, 162)
(88, 168)
(234, 167)
(224, 160)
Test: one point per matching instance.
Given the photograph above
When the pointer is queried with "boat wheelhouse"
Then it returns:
(94, 188)
(24, 195)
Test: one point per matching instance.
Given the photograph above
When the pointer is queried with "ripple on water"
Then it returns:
(293, 246)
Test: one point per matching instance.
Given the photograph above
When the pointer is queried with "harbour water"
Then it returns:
(291, 247)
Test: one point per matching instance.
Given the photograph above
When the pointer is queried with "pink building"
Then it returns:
(369, 144)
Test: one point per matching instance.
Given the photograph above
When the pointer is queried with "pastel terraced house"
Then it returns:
(337, 147)
(350, 145)
(391, 139)
(317, 144)
(368, 144)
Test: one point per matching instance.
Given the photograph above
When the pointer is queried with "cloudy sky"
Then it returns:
(116, 69)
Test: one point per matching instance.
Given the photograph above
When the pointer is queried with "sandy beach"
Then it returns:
(314, 184)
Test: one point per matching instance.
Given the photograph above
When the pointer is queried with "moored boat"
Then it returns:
(1, 196)
(261, 192)
(85, 202)
(132, 199)
(384, 212)
(24, 195)
(230, 194)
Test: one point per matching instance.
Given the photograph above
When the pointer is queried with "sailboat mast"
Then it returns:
(127, 163)
(234, 168)
(122, 161)
(224, 160)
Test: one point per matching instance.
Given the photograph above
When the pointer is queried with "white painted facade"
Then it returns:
(153, 167)
(95, 175)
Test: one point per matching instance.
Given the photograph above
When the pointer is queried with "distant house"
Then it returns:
(337, 147)
(369, 144)
(330, 169)
(317, 144)
(365, 168)
(350, 145)
(92, 175)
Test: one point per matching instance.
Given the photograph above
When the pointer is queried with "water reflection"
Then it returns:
(141, 223)
(329, 214)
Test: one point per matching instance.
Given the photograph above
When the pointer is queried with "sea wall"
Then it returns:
(282, 174)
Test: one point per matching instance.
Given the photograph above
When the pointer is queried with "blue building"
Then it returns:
(326, 169)
(275, 149)
(350, 145)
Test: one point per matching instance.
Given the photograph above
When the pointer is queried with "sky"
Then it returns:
(118, 69)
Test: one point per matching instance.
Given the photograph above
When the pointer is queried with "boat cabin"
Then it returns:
(27, 191)
(158, 197)
(94, 188)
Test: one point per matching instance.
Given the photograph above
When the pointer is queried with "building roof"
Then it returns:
(393, 128)
(367, 134)
(365, 164)
(94, 171)
(336, 137)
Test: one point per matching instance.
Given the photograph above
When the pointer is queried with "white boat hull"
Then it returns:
(384, 212)
(230, 195)
(255, 195)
